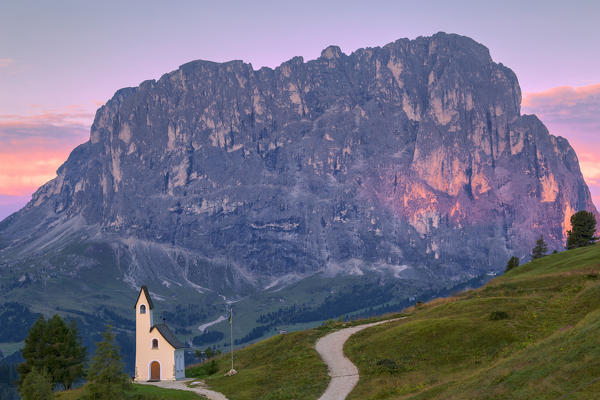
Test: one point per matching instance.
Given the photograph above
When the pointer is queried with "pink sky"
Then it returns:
(573, 113)
(34, 146)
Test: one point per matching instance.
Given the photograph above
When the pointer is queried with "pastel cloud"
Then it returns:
(567, 104)
(590, 162)
(32, 147)
(5, 62)
(573, 113)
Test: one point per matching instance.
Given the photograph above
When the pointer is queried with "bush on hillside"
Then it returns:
(203, 370)
(36, 386)
(498, 315)
(387, 366)
(512, 263)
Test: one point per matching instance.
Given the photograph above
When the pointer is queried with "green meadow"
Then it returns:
(533, 333)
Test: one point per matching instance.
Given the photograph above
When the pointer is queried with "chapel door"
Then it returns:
(155, 371)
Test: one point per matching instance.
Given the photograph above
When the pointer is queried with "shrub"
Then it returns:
(498, 315)
(512, 263)
(203, 370)
(330, 323)
(36, 386)
(387, 366)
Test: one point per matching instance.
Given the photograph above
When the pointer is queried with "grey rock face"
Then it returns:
(411, 159)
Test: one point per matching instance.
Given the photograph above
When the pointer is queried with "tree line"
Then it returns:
(207, 337)
(581, 234)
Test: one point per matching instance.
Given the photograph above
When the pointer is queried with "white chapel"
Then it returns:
(158, 353)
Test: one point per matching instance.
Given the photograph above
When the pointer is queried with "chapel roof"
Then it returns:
(168, 335)
(147, 294)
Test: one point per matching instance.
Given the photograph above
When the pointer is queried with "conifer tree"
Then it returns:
(34, 349)
(540, 249)
(54, 347)
(583, 229)
(106, 379)
(73, 357)
(512, 263)
(36, 386)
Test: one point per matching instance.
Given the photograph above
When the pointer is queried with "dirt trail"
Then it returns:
(344, 374)
(181, 385)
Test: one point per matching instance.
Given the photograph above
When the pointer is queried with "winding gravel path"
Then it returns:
(181, 385)
(344, 374)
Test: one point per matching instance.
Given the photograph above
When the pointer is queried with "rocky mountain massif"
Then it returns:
(408, 164)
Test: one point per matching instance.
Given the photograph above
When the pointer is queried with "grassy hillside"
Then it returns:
(533, 333)
(141, 391)
(283, 367)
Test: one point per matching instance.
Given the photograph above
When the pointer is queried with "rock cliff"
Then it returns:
(411, 160)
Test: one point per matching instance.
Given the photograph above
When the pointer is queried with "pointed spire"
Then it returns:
(146, 292)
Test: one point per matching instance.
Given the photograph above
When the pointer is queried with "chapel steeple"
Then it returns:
(144, 307)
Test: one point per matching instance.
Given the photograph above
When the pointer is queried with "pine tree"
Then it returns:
(34, 349)
(512, 263)
(540, 249)
(583, 229)
(106, 379)
(36, 386)
(74, 355)
(54, 347)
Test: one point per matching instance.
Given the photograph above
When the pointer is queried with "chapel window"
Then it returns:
(142, 309)
(155, 343)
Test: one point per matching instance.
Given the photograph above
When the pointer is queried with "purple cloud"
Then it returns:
(32, 147)
(573, 113)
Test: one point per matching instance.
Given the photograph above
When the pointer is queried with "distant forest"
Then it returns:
(361, 301)
(15, 320)
(8, 379)
(207, 337)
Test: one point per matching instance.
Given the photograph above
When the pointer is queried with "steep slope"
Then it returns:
(407, 165)
(529, 334)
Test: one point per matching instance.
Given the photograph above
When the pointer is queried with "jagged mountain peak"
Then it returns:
(410, 159)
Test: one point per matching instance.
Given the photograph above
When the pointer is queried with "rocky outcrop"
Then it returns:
(410, 159)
